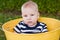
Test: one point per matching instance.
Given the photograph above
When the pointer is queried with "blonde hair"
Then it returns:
(30, 4)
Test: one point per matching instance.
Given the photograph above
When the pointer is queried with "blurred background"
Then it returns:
(11, 9)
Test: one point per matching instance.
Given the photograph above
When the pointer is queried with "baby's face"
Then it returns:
(29, 16)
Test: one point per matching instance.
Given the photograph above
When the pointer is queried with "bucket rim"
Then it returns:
(37, 33)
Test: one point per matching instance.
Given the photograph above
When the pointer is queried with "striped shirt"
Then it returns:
(21, 27)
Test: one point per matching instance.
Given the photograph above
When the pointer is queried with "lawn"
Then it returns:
(4, 17)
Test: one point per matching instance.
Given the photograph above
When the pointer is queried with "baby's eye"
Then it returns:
(25, 15)
(32, 14)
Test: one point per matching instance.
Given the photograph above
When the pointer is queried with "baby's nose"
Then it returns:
(29, 18)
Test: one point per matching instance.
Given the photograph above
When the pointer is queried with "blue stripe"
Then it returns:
(30, 28)
(18, 27)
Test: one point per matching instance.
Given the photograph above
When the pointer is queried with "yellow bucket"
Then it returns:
(52, 34)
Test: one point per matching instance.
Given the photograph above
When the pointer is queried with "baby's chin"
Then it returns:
(31, 25)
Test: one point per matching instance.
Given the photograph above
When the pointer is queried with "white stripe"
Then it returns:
(45, 26)
(21, 26)
(16, 29)
(22, 22)
(44, 30)
(41, 23)
(30, 30)
(39, 27)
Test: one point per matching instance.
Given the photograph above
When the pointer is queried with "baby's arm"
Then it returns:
(44, 29)
(17, 29)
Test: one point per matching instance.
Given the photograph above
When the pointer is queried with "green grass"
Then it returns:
(4, 17)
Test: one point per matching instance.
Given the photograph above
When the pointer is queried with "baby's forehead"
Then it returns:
(29, 10)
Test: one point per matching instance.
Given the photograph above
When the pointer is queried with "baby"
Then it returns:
(29, 24)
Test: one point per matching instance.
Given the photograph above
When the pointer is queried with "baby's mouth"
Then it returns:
(31, 24)
(29, 21)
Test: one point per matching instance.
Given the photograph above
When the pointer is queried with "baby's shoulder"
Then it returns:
(41, 23)
(21, 24)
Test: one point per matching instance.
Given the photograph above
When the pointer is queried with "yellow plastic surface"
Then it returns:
(52, 34)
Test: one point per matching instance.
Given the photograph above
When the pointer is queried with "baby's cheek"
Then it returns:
(34, 18)
(24, 18)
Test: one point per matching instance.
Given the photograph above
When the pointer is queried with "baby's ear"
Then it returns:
(22, 15)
